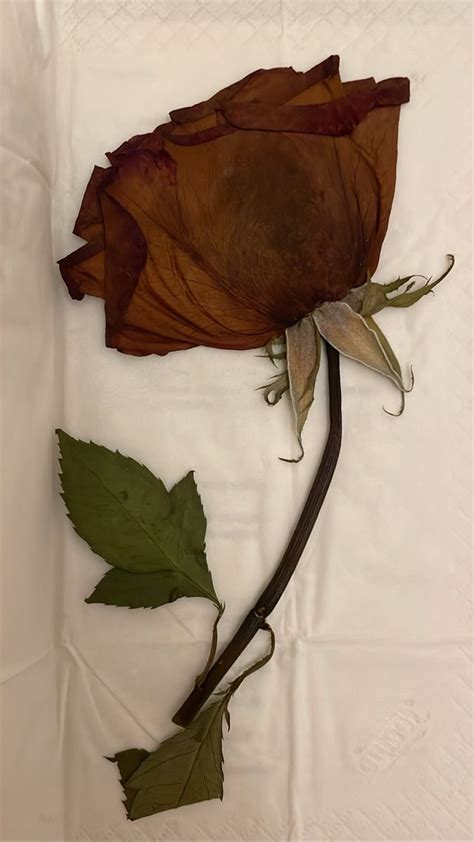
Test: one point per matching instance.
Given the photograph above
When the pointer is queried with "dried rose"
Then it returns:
(228, 225)
(254, 217)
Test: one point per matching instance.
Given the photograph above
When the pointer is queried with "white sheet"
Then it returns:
(359, 728)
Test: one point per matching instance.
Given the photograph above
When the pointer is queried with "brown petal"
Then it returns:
(140, 342)
(190, 114)
(89, 223)
(83, 270)
(338, 117)
(152, 142)
(215, 235)
(203, 122)
(195, 138)
(258, 230)
(200, 124)
(277, 86)
(270, 86)
(323, 90)
(178, 300)
(376, 137)
(177, 129)
(125, 257)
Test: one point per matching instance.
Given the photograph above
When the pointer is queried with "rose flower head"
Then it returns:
(248, 217)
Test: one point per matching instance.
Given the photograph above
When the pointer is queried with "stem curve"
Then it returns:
(271, 595)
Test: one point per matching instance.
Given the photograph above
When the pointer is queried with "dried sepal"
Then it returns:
(303, 353)
(354, 337)
(355, 298)
(274, 391)
(390, 354)
(271, 353)
(376, 296)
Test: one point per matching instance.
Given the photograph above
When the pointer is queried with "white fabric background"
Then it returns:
(359, 728)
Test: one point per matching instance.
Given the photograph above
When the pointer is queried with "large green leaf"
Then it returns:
(127, 516)
(185, 769)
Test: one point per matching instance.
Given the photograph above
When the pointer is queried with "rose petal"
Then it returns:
(178, 297)
(83, 270)
(251, 237)
(200, 121)
(150, 142)
(338, 117)
(323, 90)
(270, 86)
(199, 124)
(125, 257)
(376, 137)
(220, 236)
(89, 223)
(195, 138)
(178, 129)
(139, 342)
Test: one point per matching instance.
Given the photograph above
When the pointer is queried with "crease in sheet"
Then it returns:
(83, 663)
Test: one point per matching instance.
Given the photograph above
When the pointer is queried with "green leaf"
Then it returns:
(303, 351)
(139, 590)
(352, 336)
(127, 516)
(185, 769)
(128, 762)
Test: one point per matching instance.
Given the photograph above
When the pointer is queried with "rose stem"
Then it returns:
(267, 601)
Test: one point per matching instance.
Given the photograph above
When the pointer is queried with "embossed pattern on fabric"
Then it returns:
(372, 674)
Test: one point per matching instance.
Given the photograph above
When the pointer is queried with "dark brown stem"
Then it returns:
(267, 601)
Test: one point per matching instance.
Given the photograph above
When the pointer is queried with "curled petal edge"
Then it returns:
(335, 118)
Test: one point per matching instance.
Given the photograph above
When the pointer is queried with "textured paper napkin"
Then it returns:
(359, 729)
